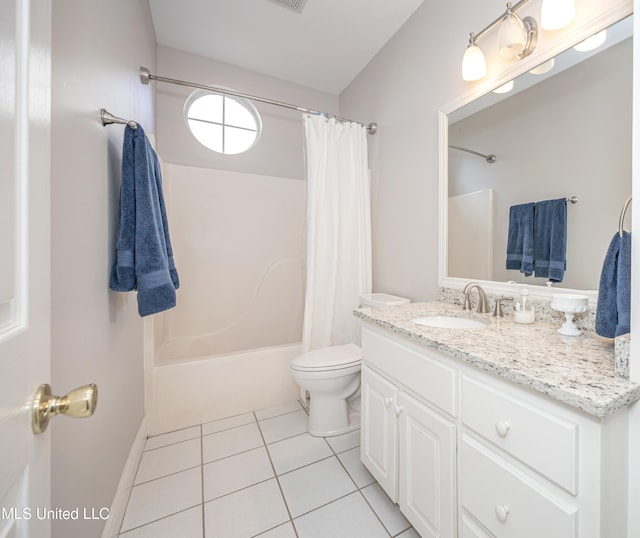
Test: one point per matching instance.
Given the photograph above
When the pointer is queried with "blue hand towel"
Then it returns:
(520, 238)
(550, 239)
(614, 294)
(144, 257)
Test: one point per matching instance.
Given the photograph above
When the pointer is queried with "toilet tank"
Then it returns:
(382, 299)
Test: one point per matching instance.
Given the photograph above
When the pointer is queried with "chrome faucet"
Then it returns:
(483, 305)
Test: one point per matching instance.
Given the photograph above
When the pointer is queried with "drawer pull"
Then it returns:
(503, 427)
(502, 512)
(387, 401)
(399, 409)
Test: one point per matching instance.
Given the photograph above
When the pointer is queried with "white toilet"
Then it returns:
(331, 376)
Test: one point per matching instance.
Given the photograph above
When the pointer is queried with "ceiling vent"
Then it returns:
(293, 5)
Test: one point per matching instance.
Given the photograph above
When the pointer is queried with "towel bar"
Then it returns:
(622, 215)
(108, 118)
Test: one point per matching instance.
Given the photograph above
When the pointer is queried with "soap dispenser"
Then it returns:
(524, 311)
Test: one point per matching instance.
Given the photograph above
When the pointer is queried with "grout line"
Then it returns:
(166, 475)
(124, 534)
(286, 505)
(170, 444)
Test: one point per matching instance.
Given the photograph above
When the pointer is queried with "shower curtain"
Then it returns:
(338, 230)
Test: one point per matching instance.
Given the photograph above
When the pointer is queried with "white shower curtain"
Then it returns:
(338, 230)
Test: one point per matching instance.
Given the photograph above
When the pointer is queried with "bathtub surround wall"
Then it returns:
(96, 334)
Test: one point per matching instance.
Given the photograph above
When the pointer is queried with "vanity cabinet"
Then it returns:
(467, 454)
(406, 444)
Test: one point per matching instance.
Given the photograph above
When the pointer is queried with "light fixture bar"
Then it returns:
(495, 23)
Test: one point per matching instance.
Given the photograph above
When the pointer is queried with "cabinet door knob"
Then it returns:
(502, 512)
(399, 409)
(387, 401)
(503, 427)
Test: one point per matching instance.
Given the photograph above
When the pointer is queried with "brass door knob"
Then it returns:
(79, 403)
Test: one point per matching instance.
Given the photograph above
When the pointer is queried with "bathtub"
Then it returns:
(186, 393)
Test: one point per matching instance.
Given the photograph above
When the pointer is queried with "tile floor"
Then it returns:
(258, 474)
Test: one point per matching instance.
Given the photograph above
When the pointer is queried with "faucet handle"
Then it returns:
(497, 311)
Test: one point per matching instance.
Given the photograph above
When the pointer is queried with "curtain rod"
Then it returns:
(146, 77)
(491, 158)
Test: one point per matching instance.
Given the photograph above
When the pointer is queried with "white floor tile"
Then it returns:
(387, 511)
(227, 423)
(295, 452)
(246, 512)
(187, 524)
(283, 426)
(162, 497)
(229, 442)
(348, 517)
(168, 460)
(411, 533)
(177, 436)
(358, 472)
(278, 410)
(236, 472)
(314, 485)
(283, 531)
(346, 441)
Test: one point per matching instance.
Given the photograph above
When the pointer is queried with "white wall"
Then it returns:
(402, 89)
(96, 334)
(280, 150)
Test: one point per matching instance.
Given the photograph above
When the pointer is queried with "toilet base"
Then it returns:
(328, 417)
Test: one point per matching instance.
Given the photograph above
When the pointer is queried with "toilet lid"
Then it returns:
(328, 357)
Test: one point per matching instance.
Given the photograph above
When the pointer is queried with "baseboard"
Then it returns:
(121, 498)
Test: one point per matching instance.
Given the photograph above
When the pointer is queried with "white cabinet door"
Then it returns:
(378, 444)
(427, 456)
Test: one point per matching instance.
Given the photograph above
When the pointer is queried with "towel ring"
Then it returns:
(622, 215)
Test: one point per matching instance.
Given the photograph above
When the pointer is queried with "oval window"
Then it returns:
(222, 123)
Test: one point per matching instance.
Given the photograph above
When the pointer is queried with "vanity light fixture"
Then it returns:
(592, 42)
(543, 68)
(505, 88)
(517, 38)
(474, 66)
(556, 14)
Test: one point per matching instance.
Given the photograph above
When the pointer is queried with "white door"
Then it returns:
(24, 262)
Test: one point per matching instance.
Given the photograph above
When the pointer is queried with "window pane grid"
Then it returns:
(223, 124)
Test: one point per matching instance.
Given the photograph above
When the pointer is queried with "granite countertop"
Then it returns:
(576, 370)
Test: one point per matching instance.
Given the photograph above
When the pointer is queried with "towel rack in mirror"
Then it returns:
(622, 215)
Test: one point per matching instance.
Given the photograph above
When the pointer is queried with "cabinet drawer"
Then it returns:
(506, 502)
(545, 442)
(419, 372)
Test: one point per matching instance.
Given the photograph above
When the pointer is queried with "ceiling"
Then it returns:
(324, 47)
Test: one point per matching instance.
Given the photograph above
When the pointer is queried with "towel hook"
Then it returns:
(622, 215)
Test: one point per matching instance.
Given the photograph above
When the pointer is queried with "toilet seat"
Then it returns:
(328, 358)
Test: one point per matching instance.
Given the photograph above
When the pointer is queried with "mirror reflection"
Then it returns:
(562, 131)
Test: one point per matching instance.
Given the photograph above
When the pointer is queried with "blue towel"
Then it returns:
(520, 238)
(613, 316)
(550, 239)
(144, 257)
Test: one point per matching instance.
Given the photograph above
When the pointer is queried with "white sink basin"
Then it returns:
(449, 322)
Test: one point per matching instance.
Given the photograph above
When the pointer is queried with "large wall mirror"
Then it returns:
(562, 131)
